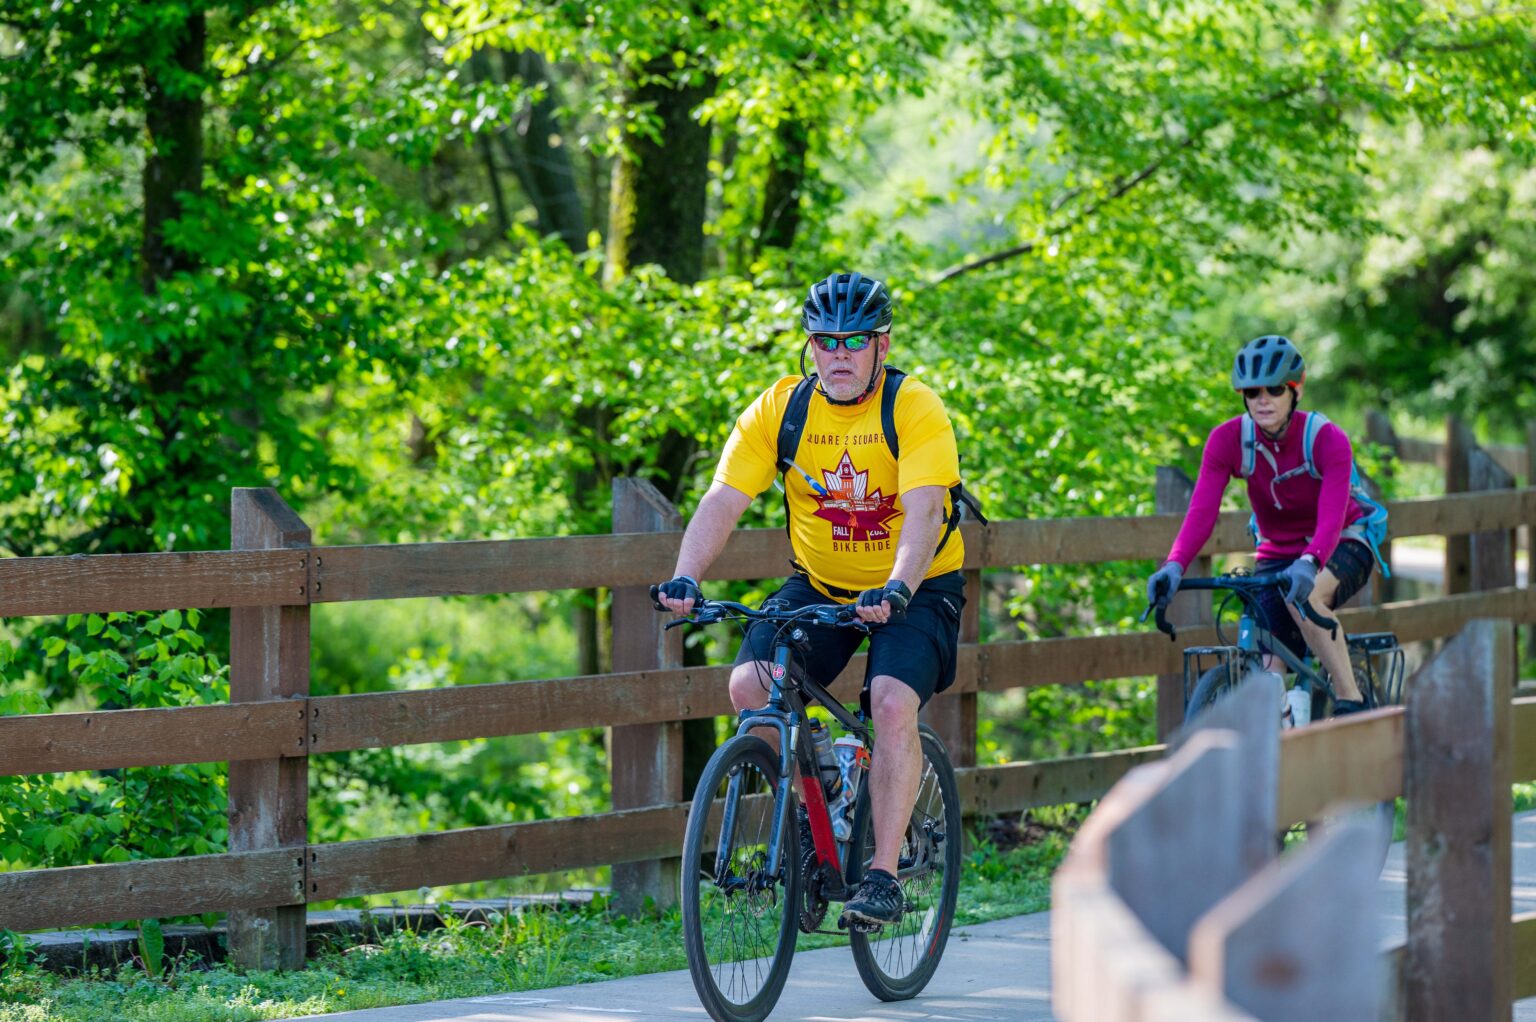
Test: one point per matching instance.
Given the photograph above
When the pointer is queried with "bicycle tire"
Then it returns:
(1209, 688)
(724, 931)
(915, 944)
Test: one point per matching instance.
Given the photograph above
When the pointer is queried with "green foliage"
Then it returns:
(152, 948)
(141, 660)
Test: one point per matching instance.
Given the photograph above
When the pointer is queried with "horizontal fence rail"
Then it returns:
(247, 578)
(47, 743)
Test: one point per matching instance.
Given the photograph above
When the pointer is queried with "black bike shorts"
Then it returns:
(919, 650)
(1352, 563)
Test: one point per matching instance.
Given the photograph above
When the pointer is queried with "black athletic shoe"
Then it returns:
(879, 901)
(1344, 707)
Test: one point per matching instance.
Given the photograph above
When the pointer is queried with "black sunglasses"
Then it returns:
(1274, 391)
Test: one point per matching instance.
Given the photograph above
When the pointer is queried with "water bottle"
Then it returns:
(852, 761)
(826, 761)
(1298, 706)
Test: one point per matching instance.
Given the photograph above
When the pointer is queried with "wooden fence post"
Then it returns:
(1456, 779)
(1174, 490)
(645, 761)
(269, 798)
(953, 714)
(1492, 553)
(1378, 430)
(1459, 445)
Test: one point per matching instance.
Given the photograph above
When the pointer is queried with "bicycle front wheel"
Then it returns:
(739, 921)
(897, 961)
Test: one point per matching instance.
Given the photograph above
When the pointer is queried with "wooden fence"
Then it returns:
(274, 577)
(1171, 904)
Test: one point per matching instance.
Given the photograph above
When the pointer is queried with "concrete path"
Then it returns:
(994, 971)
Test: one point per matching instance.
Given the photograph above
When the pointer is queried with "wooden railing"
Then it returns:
(1171, 904)
(272, 724)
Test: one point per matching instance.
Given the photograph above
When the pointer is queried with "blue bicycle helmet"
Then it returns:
(845, 303)
(1268, 361)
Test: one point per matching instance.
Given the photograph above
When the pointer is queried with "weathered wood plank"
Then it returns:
(87, 895)
(953, 713)
(1188, 610)
(1522, 739)
(1299, 941)
(1168, 886)
(1493, 552)
(1511, 457)
(105, 739)
(268, 798)
(101, 583)
(382, 865)
(1014, 787)
(645, 761)
(1522, 956)
(1458, 841)
(1352, 759)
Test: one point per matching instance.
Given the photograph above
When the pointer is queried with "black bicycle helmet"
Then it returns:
(1268, 361)
(847, 302)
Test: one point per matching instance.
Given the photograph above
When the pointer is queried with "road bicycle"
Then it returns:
(1377, 657)
(748, 889)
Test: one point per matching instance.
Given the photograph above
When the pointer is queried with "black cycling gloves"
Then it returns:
(683, 587)
(896, 594)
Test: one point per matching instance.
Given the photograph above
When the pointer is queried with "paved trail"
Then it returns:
(991, 973)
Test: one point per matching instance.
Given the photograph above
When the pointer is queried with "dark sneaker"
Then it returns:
(1344, 707)
(879, 901)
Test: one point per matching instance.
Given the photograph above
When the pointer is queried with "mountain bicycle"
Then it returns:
(748, 889)
(1377, 657)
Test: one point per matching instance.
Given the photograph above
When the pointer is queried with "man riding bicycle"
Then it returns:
(866, 528)
(1310, 527)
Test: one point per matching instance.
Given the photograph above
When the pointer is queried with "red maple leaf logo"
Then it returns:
(855, 514)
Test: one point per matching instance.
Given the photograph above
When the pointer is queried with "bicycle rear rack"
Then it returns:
(1377, 659)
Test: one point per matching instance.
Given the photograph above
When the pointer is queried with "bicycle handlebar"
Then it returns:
(829, 615)
(1242, 585)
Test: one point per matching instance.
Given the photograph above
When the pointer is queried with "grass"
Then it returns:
(526, 950)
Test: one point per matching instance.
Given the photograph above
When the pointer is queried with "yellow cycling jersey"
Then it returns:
(847, 539)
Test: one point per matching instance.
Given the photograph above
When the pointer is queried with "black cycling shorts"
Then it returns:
(919, 649)
(1352, 563)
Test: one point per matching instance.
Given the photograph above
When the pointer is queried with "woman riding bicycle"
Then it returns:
(1310, 527)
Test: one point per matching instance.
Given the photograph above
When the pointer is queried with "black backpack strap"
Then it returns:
(793, 424)
(893, 378)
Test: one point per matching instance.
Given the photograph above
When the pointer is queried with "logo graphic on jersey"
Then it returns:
(855, 513)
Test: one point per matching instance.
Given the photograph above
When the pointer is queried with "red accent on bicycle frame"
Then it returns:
(815, 801)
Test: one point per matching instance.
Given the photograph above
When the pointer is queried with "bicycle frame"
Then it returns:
(785, 713)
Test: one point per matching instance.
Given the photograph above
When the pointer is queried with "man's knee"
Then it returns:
(750, 685)
(892, 702)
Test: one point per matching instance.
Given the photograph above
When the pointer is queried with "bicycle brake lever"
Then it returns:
(675, 622)
(1322, 622)
(1164, 625)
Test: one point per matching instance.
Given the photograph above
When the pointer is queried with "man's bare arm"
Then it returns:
(712, 523)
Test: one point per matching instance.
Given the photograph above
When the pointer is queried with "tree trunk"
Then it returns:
(781, 193)
(173, 165)
(657, 202)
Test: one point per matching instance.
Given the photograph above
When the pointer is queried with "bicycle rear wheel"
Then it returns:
(739, 922)
(896, 962)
